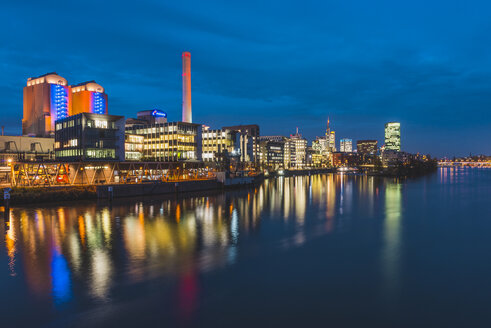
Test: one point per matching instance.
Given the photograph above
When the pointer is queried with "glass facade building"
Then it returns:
(169, 142)
(89, 137)
(393, 136)
(346, 145)
(218, 143)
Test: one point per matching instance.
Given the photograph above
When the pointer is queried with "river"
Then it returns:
(326, 250)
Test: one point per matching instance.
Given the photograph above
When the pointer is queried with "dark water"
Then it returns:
(329, 250)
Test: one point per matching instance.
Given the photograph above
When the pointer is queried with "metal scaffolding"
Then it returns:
(47, 174)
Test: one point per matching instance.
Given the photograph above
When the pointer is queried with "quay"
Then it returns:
(34, 182)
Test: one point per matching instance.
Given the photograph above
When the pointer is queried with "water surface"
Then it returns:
(330, 250)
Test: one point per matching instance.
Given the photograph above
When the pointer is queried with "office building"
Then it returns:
(133, 147)
(366, 147)
(88, 97)
(219, 144)
(46, 99)
(332, 141)
(248, 142)
(346, 159)
(169, 142)
(90, 137)
(393, 136)
(275, 140)
(346, 145)
(298, 151)
(272, 154)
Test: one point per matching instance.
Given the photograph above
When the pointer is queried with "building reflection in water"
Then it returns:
(392, 237)
(88, 247)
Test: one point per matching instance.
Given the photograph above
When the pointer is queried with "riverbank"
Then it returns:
(412, 169)
(25, 195)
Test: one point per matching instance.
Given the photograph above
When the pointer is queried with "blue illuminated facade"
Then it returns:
(98, 103)
(59, 101)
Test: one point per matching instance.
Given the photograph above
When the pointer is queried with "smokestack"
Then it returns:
(186, 88)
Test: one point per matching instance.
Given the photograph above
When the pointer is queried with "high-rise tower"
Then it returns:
(393, 136)
(187, 115)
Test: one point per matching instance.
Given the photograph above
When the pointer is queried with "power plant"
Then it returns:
(187, 115)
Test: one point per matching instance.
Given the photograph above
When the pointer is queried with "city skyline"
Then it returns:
(426, 77)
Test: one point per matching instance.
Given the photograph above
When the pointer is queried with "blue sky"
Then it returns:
(280, 64)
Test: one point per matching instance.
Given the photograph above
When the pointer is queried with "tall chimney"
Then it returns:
(186, 88)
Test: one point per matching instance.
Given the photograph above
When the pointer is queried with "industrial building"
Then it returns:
(88, 97)
(48, 98)
(20, 148)
(187, 115)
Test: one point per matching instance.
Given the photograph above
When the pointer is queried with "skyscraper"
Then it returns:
(393, 136)
(346, 145)
(46, 99)
(330, 137)
(186, 88)
(88, 97)
(332, 141)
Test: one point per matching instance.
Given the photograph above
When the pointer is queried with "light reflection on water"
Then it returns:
(82, 242)
(88, 253)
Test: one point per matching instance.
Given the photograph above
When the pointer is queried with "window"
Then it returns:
(101, 124)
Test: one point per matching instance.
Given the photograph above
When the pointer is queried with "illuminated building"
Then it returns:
(169, 142)
(272, 153)
(88, 137)
(330, 138)
(346, 145)
(133, 147)
(345, 159)
(153, 116)
(316, 159)
(248, 142)
(332, 141)
(366, 147)
(88, 97)
(219, 144)
(393, 136)
(46, 99)
(187, 115)
(298, 151)
(284, 141)
(16, 148)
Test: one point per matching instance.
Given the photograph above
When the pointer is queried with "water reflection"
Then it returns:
(392, 236)
(88, 250)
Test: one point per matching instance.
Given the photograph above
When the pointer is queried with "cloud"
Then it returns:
(278, 64)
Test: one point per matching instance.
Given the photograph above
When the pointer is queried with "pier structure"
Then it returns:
(47, 174)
